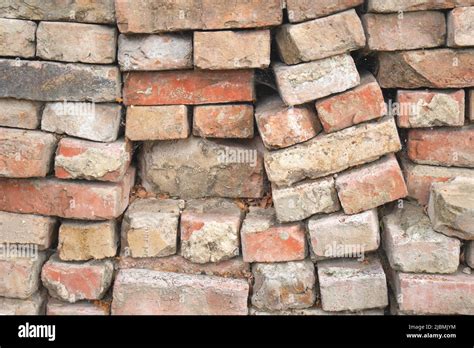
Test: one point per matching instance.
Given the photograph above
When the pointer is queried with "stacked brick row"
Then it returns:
(286, 198)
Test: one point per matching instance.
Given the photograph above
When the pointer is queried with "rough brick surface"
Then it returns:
(224, 121)
(97, 122)
(146, 292)
(57, 82)
(18, 38)
(168, 15)
(219, 50)
(339, 235)
(73, 282)
(56, 307)
(197, 167)
(20, 113)
(430, 108)
(82, 241)
(320, 38)
(34, 305)
(302, 10)
(451, 208)
(188, 87)
(265, 240)
(331, 153)
(76, 42)
(460, 30)
(371, 185)
(470, 102)
(27, 229)
(209, 230)
(384, 6)
(83, 159)
(282, 126)
(150, 227)
(305, 82)
(412, 245)
(362, 103)
(437, 68)
(352, 285)
(412, 30)
(443, 146)
(25, 153)
(155, 52)
(307, 198)
(281, 286)
(68, 199)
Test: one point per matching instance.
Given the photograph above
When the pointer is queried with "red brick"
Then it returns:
(223, 121)
(302, 10)
(145, 292)
(72, 282)
(188, 87)
(265, 240)
(460, 31)
(370, 186)
(56, 307)
(82, 159)
(283, 126)
(64, 198)
(25, 154)
(443, 146)
(362, 103)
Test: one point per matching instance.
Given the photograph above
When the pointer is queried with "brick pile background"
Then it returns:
(236, 154)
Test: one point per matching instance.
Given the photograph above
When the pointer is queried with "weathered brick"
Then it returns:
(436, 68)
(350, 285)
(470, 105)
(150, 227)
(233, 268)
(188, 87)
(460, 30)
(146, 292)
(266, 240)
(73, 282)
(339, 235)
(33, 305)
(302, 10)
(384, 6)
(412, 30)
(451, 207)
(224, 121)
(145, 16)
(27, 229)
(442, 146)
(56, 81)
(331, 153)
(371, 185)
(219, 50)
(98, 122)
(83, 159)
(434, 293)
(411, 245)
(282, 286)
(25, 153)
(315, 311)
(18, 38)
(283, 126)
(320, 38)
(56, 307)
(164, 122)
(305, 82)
(20, 276)
(76, 11)
(307, 198)
(197, 167)
(20, 113)
(430, 108)
(362, 103)
(67, 199)
(209, 230)
(155, 52)
(469, 253)
(419, 178)
(82, 241)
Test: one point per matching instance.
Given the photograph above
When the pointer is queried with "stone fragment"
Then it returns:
(302, 10)
(469, 253)
(460, 28)
(18, 38)
(282, 286)
(20, 113)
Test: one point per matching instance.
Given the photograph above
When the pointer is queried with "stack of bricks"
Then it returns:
(274, 173)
